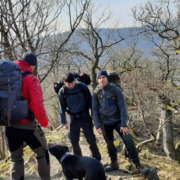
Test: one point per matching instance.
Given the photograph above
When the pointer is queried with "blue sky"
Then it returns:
(122, 9)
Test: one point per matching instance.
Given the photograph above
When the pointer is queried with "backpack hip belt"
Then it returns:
(78, 113)
(103, 117)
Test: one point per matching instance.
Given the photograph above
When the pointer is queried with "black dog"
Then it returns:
(77, 167)
(150, 174)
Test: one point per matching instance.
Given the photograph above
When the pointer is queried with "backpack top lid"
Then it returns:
(113, 77)
(85, 78)
(7, 66)
(58, 86)
(9, 73)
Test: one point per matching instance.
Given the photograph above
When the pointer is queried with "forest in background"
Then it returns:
(150, 77)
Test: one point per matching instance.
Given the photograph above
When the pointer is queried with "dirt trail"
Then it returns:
(56, 170)
(31, 172)
(148, 158)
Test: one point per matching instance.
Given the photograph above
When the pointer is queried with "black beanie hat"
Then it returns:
(69, 77)
(30, 57)
(102, 72)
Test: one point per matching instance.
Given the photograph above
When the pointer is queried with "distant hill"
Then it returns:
(142, 42)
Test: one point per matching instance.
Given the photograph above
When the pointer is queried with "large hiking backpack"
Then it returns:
(13, 106)
(113, 78)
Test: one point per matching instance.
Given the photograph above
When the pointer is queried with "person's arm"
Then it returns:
(36, 100)
(123, 111)
(62, 107)
(88, 95)
(122, 107)
(95, 109)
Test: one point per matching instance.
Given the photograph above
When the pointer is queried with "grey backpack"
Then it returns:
(13, 106)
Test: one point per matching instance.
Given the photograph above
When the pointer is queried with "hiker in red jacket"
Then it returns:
(27, 130)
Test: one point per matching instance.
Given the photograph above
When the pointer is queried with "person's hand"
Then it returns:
(48, 126)
(66, 126)
(99, 130)
(125, 131)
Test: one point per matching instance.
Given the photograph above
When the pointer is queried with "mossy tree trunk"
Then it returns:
(168, 136)
(167, 127)
(159, 135)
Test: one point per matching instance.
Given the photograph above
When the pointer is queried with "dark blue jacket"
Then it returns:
(77, 100)
(108, 107)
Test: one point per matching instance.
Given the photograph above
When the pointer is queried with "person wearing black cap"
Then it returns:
(110, 113)
(27, 130)
(75, 99)
(30, 57)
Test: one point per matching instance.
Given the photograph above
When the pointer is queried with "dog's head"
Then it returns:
(150, 173)
(58, 150)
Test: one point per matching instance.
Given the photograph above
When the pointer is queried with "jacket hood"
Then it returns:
(24, 66)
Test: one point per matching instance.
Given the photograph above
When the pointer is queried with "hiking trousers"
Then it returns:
(127, 139)
(86, 124)
(33, 136)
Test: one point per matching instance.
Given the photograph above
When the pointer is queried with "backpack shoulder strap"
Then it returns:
(97, 89)
(113, 89)
(25, 73)
(98, 92)
(63, 98)
(86, 93)
(64, 87)
(81, 87)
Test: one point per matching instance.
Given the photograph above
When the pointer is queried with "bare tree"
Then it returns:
(95, 40)
(161, 27)
(74, 20)
(125, 59)
(25, 22)
(29, 24)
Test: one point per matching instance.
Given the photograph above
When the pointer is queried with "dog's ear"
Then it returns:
(66, 148)
(50, 144)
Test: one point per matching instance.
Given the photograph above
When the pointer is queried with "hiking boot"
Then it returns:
(113, 166)
(139, 168)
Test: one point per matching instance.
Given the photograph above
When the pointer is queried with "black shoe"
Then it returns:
(112, 167)
(139, 168)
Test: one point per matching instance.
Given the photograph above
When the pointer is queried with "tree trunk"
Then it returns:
(159, 137)
(168, 137)
(2, 144)
(178, 150)
(94, 77)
